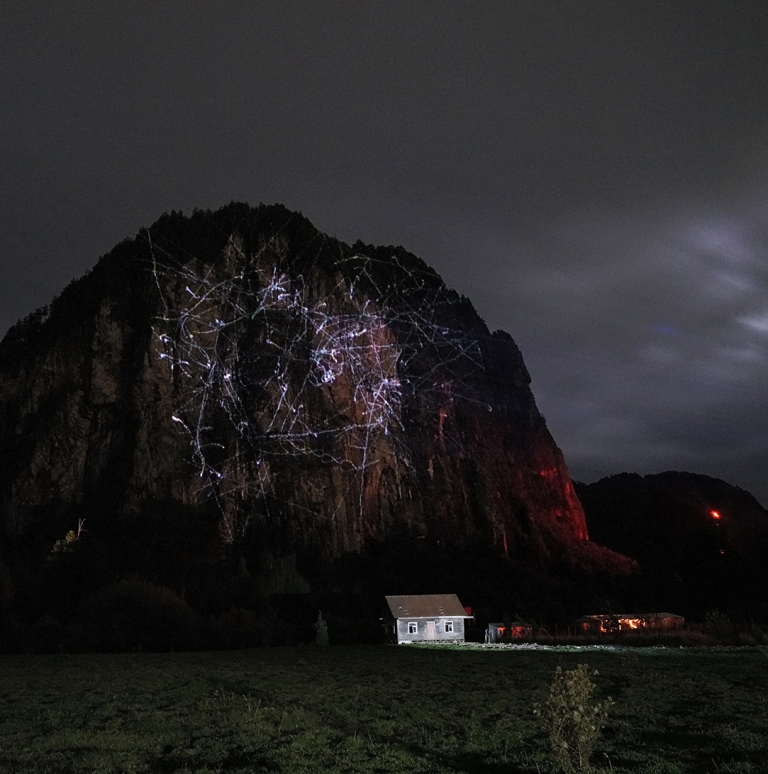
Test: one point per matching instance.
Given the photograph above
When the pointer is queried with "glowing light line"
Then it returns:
(266, 369)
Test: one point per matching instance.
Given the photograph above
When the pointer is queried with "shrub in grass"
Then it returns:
(321, 631)
(717, 624)
(572, 719)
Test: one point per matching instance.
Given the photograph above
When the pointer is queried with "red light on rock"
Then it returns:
(714, 514)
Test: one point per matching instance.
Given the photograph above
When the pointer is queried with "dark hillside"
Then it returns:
(701, 543)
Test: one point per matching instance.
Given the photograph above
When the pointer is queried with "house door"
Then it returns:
(430, 630)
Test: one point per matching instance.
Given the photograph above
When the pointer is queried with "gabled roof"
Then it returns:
(426, 606)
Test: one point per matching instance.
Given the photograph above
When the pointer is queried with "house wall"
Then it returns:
(423, 632)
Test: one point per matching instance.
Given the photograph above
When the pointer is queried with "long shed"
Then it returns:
(628, 622)
(502, 632)
(427, 618)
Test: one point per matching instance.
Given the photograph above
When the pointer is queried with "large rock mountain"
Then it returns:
(238, 379)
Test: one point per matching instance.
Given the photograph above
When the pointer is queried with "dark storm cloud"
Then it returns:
(593, 175)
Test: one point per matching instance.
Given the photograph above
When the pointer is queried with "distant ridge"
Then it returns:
(701, 543)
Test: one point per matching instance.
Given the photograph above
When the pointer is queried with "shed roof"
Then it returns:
(426, 606)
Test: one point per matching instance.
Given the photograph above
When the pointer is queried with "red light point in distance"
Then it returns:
(714, 514)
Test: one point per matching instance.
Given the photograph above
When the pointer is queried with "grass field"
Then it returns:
(374, 709)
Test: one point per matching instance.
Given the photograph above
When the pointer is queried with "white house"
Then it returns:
(428, 618)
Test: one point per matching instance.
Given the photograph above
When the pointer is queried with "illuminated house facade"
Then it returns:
(427, 618)
(628, 622)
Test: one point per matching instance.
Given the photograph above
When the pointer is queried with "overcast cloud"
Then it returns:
(593, 175)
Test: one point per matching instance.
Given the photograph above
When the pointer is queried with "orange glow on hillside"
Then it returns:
(714, 514)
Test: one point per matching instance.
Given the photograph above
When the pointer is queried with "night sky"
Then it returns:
(593, 175)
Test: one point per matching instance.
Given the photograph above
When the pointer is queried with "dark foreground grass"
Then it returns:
(373, 709)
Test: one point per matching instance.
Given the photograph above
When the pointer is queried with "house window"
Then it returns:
(412, 627)
(448, 627)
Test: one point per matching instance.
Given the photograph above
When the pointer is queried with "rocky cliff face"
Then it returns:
(297, 392)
